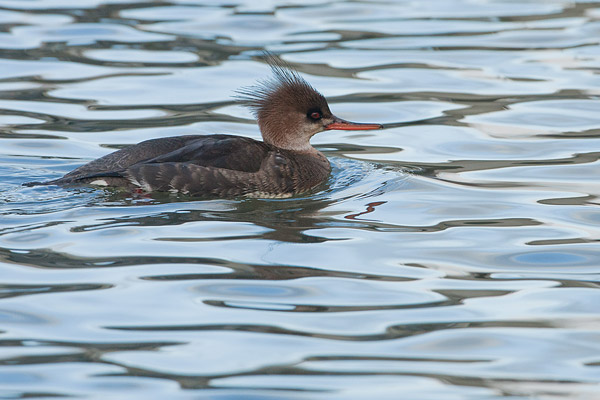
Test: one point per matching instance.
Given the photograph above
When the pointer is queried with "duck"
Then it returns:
(289, 112)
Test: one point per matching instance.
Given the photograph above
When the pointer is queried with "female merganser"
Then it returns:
(289, 112)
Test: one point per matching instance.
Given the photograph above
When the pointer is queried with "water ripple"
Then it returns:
(452, 255)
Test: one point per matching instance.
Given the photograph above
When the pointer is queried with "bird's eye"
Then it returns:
(315, 115)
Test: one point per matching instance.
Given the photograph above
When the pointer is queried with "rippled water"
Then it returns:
(453, 255)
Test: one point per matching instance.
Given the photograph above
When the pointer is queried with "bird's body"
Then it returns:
(207, 166)
(289, 113)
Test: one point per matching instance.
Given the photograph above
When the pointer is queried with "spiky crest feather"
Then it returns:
(286, 84)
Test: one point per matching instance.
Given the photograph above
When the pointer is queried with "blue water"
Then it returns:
(453, 255)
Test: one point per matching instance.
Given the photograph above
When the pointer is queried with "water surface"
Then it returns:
(453, 255)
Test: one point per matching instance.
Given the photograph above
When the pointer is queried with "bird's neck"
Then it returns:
(291, 142)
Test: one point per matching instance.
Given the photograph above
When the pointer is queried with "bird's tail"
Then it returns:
(46, 183)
